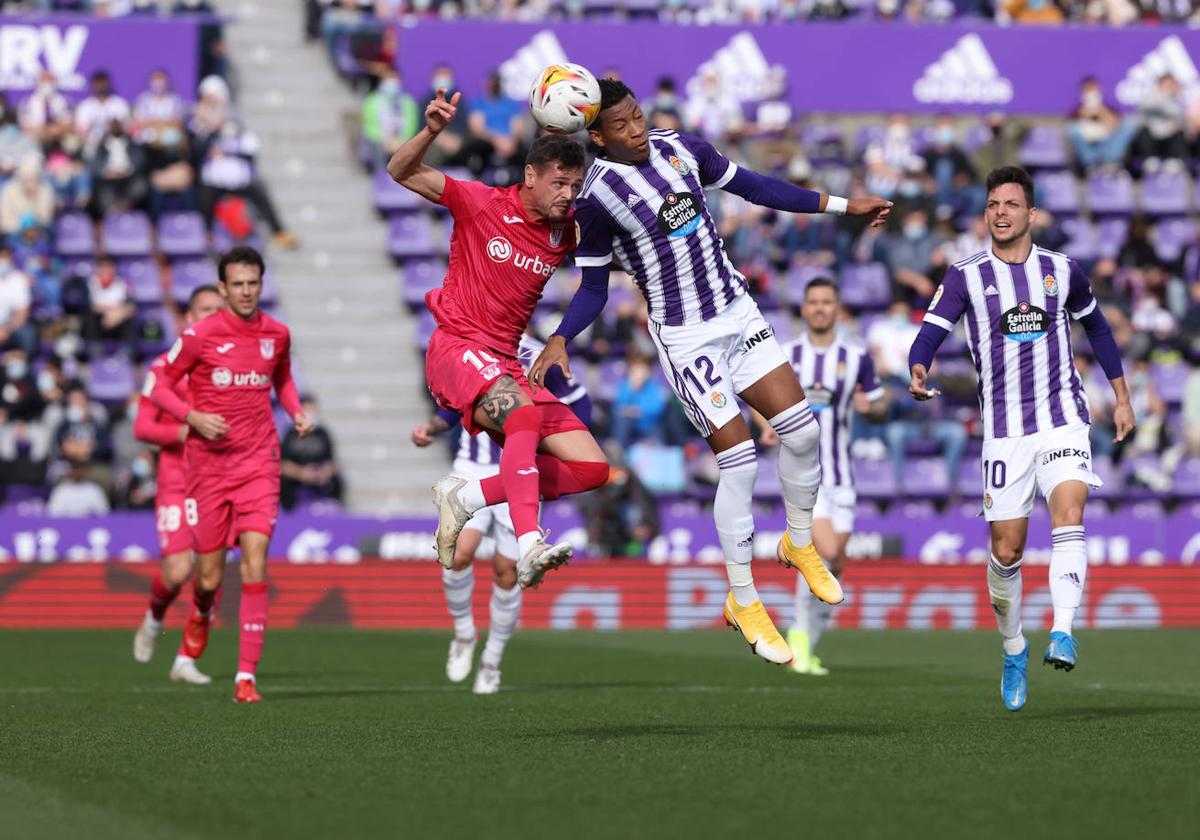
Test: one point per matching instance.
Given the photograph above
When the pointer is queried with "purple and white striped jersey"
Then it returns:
(651, 218)
(478, 455)
(1019, 335)
(830, 375)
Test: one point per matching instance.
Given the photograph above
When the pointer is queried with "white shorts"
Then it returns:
(837, 505)
(708, 364)
(1014, 468)
(495, 522)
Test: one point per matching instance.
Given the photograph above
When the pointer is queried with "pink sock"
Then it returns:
(253, 621)
(161, 597)
(518, 468)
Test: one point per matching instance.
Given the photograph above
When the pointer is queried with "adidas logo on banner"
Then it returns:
(518, 73)
(1170, 56)
(964, 74)
(742, 62)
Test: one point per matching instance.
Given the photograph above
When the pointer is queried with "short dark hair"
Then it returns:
(200, 290)
(822, 282)
(241, 255)
(1011, 175)
(555, 148)
(612, 92)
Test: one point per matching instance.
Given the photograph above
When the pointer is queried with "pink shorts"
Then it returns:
(459, 371)
(218, 510)
(170, 519)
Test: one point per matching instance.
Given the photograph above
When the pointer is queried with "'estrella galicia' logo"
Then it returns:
(679, 214)
(1024, 322)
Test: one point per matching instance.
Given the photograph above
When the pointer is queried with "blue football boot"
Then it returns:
(1014, 685)
(1062, 651)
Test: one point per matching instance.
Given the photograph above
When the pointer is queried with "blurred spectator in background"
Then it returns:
(24, 451)
(95, 115)
(157, 110)
(27, 199)
(141, 484)
(1003, 143)
(447, 148)
(970, 242)
(665, 109)
(952, 172)
(389, 116)
(211, 111)
(15, 145)
(496, 125)
(1029, 11)
(914, 257)
(169, 169)
(309, 465)
(16, 299)
(70, 179)
(639, 405)
(229, 170)
(712, 109)
(1161, 140)
(118, 173)
(1191, 412)
(887, 159)
(46, 114)
(77, 494)
(112, 306)
(622, 516)
(1098, 134)
(19, 395)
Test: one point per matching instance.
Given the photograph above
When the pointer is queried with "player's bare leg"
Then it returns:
(812, 614)
(458, 584)
(206, 586)
(1068, 570)
(252, 615)
(779, 397)
(1004, 590)
(164, 589)
(504, 611)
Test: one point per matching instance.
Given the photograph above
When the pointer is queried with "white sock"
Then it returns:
(818, 618)
(1004, 590)
(151, 622)
(799, 467)
(735, 517)
(1068, 572)
(459, 587)
(471, 495)
(527, 541)
(244, 675)
(802, 617)
(504, 611)
(180, 659)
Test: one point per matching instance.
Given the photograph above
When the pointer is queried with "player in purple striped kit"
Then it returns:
(838, 376)
(478, 457)
(642, 208)
(1017, 300)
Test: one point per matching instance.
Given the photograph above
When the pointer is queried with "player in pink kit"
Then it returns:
(152, 425)
(232, 360)
(506, 245)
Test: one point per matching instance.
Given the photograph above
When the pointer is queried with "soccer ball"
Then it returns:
(565, 98)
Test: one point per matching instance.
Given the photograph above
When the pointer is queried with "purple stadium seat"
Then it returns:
(926, 477)
(970, 478)
(127, 235)
(223, 240)
(419, 277)
(1111, 235)
(186, 275)
(411, 235)
(823, 143)
(426, 324)
(866, 286)
(390, 197)
(781, 322)
(144, 280)
(866, 136)
(797, 280)
(111, 380)
(182, 234)
(1169, 381)
(1083, 243)
(1187, 479)
(1166, 193)
(1044, 148)
(74, 235)
(1110, 194)
(874, 479)
(1171, 237)
(1058, 192)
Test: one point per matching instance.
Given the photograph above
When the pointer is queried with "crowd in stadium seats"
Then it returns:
(1116, 193)
(110, 212)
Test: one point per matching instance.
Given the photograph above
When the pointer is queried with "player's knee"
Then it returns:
(462, 559)
(1067, 516)
(591, 474)
(799, 440)
(1007, 553)
(505, 575)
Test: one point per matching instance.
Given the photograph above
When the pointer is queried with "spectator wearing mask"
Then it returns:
(141, 484)
(171, 177)
(887, 159)
(20, 399)
(914, 258)
(712, 109)
(27, 199)
(77, 494)
(448, 147)
(157, 110)
(211, 111)
(1098, 134)
(24, 450)
(390, 116)
(70, 179)
(46, 113)
(639, 405)
(309, 463)
(15, 144)
(1161, 140)
(230, 170)
(118, 173)
(952, 172)
(16, 298)
(95, 115)
(112, 306)
(496, 126)
(665, 110)
(83, 432)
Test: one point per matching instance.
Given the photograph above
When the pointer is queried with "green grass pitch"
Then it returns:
(630, 734)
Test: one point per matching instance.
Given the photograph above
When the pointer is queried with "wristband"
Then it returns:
(836, 205)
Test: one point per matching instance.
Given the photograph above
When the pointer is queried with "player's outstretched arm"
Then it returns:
(584, 309)
(406, 167)
(780, 195)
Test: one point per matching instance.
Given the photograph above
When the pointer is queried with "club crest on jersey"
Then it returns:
(1024, 323)
(987, 500)
(678, 165)
(1050, 284)
(266, 348)
(718, 399)
(556, 232)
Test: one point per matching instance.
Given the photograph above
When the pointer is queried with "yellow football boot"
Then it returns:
(759, 631)
(816, 574)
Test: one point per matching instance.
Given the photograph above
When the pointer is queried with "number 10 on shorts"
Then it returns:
(995, 474)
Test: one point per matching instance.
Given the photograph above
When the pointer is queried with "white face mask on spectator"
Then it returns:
(1092, 99)
(16, 369)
